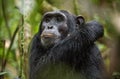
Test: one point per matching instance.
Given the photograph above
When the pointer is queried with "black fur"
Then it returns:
(76, 51)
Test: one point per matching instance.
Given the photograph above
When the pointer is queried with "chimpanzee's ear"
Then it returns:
(80, 20)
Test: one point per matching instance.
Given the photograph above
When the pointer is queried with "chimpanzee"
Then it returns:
(65, 44)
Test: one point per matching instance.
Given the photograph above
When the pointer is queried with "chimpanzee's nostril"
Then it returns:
(50, 27)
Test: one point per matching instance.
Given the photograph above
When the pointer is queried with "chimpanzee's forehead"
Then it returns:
(53, 12)
(57, 12)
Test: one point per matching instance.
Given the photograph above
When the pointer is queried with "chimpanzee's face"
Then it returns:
(54, 28)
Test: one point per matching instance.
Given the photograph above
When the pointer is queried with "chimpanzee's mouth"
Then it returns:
(48, 39)
(48, 35)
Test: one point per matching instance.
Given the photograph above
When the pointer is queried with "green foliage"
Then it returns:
(3, 73)
(97, 2)
(56, 3)
(34, 19)
(116, 75)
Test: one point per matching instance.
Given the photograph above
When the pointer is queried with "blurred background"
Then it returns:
(20, 19)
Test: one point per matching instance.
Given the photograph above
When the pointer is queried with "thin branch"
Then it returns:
(21, 48)
(75, 6)
(5, 18)
(12, 41)
(3, 54)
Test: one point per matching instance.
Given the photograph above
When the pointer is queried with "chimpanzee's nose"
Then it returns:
(50, 27)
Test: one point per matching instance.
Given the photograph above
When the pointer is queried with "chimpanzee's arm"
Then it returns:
(92, 30)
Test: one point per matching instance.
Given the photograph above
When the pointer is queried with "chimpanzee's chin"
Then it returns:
(47, 43)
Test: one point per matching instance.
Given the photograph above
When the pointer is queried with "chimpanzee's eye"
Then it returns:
(59, 18)
(47, 19)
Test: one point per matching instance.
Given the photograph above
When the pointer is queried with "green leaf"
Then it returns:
(2, 73)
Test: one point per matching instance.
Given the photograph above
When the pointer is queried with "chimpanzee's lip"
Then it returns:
(48, 35)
